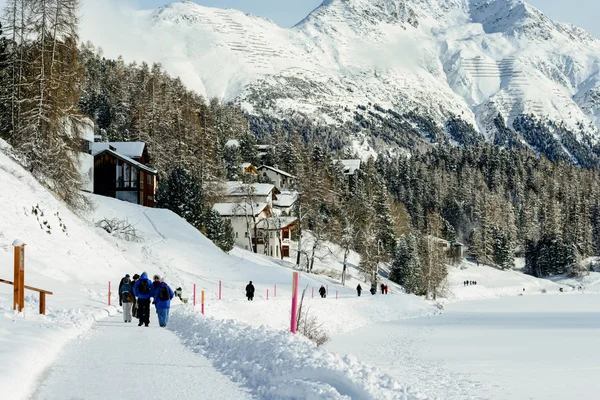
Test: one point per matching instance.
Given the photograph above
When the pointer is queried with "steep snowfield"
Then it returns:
(471, 58)
(77, 263)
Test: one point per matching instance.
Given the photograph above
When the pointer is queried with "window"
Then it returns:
(236, 235)
(149, 179)
(151, 198)
(245, 234)
(246, 246)
(127, 175)
(141, 180)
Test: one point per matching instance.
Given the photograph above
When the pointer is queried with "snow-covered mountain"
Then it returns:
(351, 61)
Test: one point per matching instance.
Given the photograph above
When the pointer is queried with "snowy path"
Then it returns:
(124, 361)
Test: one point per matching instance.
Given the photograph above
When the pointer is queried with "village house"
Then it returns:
(244, 218)
(121, 171)
(285, 202)
(248, 168)
(275, 235)
(238, 192)
(281, 179)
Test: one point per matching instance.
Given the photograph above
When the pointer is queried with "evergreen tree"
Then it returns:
(503, 252)
(406, 265)
(219, 230)
(4, 94)
(182, 194)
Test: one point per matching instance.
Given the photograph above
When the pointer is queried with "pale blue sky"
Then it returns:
(583, 13)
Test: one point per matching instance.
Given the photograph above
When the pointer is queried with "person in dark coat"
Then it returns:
(162, 299)
(126, 298)
(134, 306)
(358, 289)
(382, 287)
(123, 280)
(323, 291)
(373, 290)
(250, 291)
(143, 291)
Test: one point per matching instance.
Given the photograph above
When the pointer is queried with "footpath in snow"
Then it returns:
(123, 361)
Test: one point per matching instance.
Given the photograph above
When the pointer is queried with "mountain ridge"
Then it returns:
(467, 59)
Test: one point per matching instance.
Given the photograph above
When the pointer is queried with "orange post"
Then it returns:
(109, 293)
(19, 281)
(203, 302)
(43, 303)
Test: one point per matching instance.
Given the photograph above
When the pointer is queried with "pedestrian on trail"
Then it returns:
(155, 285)
(373, 290)
(134, 279)
(125, 278)
(382, 287)
(323, 291)
(162, 298)
(126, 298)
(250, 291)
(143, 291)
(386, 289)
(358, 289)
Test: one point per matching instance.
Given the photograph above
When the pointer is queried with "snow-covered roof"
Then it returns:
(128, 160)
(129, 149)
(275, 223)
(234, 188)
(349, 166)
(286, 199)
(232, 143)
(239, 209)
(246, 165)
(276, 170)
(264, 146)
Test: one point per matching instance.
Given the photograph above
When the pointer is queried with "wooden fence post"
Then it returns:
(19, 280)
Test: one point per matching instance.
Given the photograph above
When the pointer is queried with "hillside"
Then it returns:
(77, 263)
(438, 71)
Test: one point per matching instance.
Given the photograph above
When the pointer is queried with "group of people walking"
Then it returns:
(373, 290)
(469, 283)
(135, 294)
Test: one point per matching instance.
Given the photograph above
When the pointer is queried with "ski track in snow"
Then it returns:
(123, 361)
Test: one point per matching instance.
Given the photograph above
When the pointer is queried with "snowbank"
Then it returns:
(278, 365)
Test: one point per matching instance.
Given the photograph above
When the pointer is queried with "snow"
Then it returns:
(129, 149)
(131, 360)
(129, 160)
(279, 365)
(286, 198)
(234, 188)
(349, 166)
(235, 209)
(276, 170)
(232, 143)
(520, 347)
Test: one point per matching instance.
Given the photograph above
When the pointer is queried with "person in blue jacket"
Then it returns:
(162, 300)
(143, 291)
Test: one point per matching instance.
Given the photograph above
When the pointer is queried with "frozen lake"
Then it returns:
(522, 347)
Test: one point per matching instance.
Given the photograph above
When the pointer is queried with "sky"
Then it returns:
(286, 13)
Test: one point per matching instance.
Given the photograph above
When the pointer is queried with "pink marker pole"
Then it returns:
(194, 295)
(275, 291)
(219, 290)
(336, 294)
(109, 293)
(267, 294)
(327, 289)
(313, 293)
(294, 302)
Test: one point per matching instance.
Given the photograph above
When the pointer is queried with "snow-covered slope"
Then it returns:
(68, 255)
(473, 59)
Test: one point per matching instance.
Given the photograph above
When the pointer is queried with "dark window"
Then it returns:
(127, 175)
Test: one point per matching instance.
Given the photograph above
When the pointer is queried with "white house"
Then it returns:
(242, 217)
(237, 192)
(349, 166)
(281, 179)
(274, 235)
(285, 202)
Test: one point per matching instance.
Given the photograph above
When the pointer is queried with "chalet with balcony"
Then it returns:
(281, 179)
(121, 171)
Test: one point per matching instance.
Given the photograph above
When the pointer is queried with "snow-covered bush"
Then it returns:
(120, 228)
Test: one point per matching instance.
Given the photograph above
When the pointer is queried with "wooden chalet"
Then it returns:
(121, 171)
